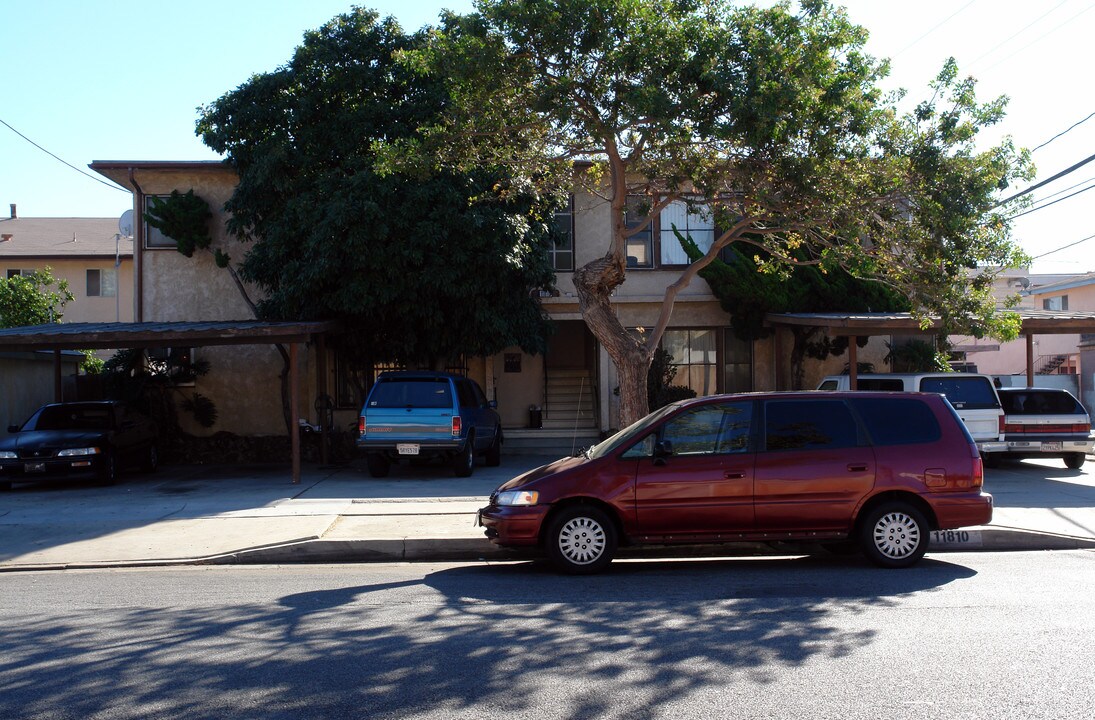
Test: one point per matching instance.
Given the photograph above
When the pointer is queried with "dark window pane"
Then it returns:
(1035, 402)
(897, 421)
(809, 425)
(412, 392)
(964, 392)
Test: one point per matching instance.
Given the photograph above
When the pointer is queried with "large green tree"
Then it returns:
(35, 299)
(422, 266)
(770, 120)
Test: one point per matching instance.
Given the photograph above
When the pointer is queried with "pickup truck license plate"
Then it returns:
(407, 448)
(1051, 446)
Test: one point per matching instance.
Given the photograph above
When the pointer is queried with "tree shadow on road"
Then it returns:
(475, 641)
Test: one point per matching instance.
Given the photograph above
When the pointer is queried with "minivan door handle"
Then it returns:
(733, 475)
(857, 467)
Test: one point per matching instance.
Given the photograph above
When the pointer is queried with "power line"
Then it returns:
(1074, 126)
(1064, 190)
(939, 25)
(1026, 27)
(1038, 39)
(67, 164)
(1064, 247)
(1032, 188)
(1043, 207)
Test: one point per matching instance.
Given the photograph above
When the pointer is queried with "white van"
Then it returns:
(973, 396)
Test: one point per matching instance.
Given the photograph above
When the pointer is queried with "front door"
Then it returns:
(695, 473)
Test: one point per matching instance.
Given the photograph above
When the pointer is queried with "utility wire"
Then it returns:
(1064, 247)
(1038, 39)
(1032, 188)
(1074, 126)
(1061, 192)
(1043, 207)
(47, 152)
(937, 26)
(1026, 27)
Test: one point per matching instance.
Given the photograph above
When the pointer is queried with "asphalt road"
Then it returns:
(987, 635)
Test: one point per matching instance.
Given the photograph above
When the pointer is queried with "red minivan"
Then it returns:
(881, 469)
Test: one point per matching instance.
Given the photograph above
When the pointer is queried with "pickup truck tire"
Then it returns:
(1074, 461)
(494, 452)
(463, 464)
(379, 466)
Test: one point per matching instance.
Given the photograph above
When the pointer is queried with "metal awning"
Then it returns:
(853, 325)
(118, 335)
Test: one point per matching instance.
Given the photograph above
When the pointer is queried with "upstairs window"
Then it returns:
(562, 246)
(697, 223)
(102, 283)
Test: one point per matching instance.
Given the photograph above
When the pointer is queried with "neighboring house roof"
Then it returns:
(1070, 283)
(58, 238)
(1047, 322)
(111, 335)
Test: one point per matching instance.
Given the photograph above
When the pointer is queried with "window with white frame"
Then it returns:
(153, 238)
(640, 245)
(562, 246)
(697, 223)
(1059, 302)
(695, 356)
(102, 283)
(16, 272)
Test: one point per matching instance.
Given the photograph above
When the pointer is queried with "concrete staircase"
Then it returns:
(569, 414)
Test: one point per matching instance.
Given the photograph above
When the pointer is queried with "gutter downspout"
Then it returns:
(138, 249)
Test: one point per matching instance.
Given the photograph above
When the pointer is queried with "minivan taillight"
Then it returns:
(361, 425)
(456, 426)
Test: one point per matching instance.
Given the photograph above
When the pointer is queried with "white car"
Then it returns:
(1045, 423)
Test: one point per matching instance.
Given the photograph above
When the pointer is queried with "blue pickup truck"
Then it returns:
(411, 414)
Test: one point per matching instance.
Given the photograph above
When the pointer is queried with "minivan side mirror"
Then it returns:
(662, 450)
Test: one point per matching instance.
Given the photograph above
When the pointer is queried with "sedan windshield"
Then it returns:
(68, 417)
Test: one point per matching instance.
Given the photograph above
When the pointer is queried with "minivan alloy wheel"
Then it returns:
(896, 535)
(582, 540)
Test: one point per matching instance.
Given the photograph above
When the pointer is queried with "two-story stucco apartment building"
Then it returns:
(572, 385)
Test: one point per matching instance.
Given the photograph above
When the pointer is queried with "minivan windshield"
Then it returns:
(623, 437)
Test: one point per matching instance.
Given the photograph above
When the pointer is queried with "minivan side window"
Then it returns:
(970, 393)
(897, 421)
(710, 429)
(809, 425)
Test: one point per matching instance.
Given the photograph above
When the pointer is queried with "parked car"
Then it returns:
(428, 414)
(90, 439)
(880, 469)
(1045, 423)
(972, 395)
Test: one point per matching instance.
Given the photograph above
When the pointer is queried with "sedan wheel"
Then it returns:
(109, 473)
(581, 540)
(1074, 461)
(894, 535)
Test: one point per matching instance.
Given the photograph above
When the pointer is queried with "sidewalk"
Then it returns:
(253, 514)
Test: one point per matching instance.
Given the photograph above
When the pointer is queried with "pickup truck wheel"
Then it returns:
(378, 465)
(464, 463)
(894, 535)
(1075, 461)
(494, 452)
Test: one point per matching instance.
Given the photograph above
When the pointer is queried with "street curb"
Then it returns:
(318, 551)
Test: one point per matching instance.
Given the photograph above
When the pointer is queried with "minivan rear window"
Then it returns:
(967, 393)
(897, 421)
(411, 393)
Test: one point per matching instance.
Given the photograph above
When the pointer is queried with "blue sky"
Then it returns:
(122, 80)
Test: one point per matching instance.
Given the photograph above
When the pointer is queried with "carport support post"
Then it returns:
(1030, 359)
(58, 395)
(294, 411)
(853, 363)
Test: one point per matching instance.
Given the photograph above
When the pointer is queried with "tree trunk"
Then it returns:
(595, 283)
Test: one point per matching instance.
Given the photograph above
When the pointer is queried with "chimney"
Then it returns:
(14, 215)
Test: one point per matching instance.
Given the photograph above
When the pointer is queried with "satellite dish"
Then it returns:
(125, 224)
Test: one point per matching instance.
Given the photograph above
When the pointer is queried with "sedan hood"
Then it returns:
(51, 438)
(554, 468)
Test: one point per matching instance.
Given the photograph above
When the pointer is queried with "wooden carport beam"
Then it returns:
(853, 363)
(294, 411)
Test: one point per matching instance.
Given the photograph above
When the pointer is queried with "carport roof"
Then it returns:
(113, 335)
(1034, 322)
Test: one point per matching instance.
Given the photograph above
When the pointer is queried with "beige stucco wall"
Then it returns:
(94, 309)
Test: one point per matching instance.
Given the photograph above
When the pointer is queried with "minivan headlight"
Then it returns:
(73, 452)
(517, 497)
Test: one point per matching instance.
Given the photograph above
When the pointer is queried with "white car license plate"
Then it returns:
(407, 448)
(1051, 446)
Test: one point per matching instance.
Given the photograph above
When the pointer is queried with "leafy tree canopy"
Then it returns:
(35, 299)
(768, 119)
(422, 265)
